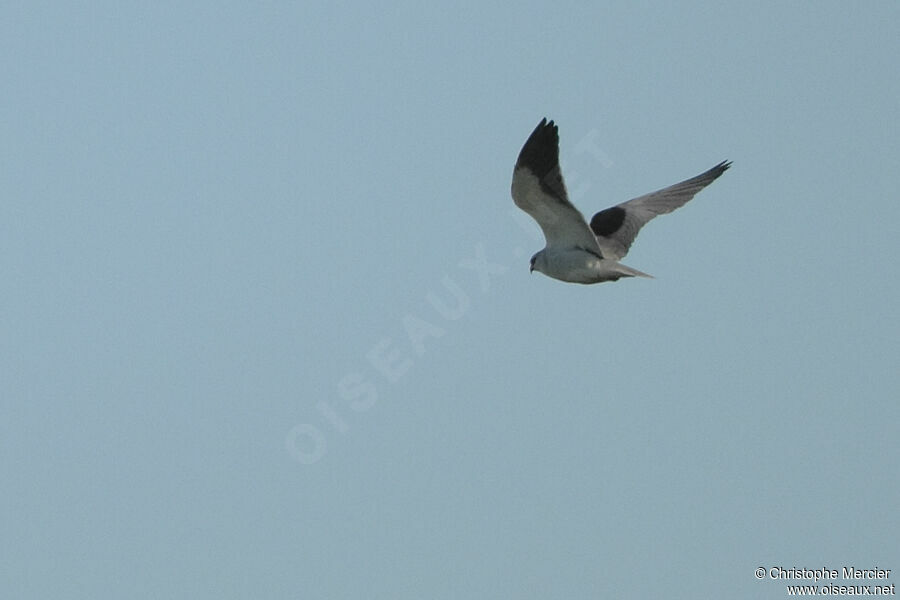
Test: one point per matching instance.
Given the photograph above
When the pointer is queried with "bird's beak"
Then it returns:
(531, 269)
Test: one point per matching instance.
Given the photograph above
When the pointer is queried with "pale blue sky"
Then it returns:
(221, 223)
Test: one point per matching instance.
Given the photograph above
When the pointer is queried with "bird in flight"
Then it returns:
(576, 251)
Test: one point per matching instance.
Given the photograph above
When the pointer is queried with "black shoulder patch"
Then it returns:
(607, 222)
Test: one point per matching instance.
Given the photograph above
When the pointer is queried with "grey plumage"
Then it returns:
(576, 251)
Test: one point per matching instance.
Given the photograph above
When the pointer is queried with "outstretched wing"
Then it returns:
(616, 227)
(538, 189)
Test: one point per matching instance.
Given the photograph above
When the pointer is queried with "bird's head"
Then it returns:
(537, 262)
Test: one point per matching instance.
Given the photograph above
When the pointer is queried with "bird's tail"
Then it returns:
(626, 271)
